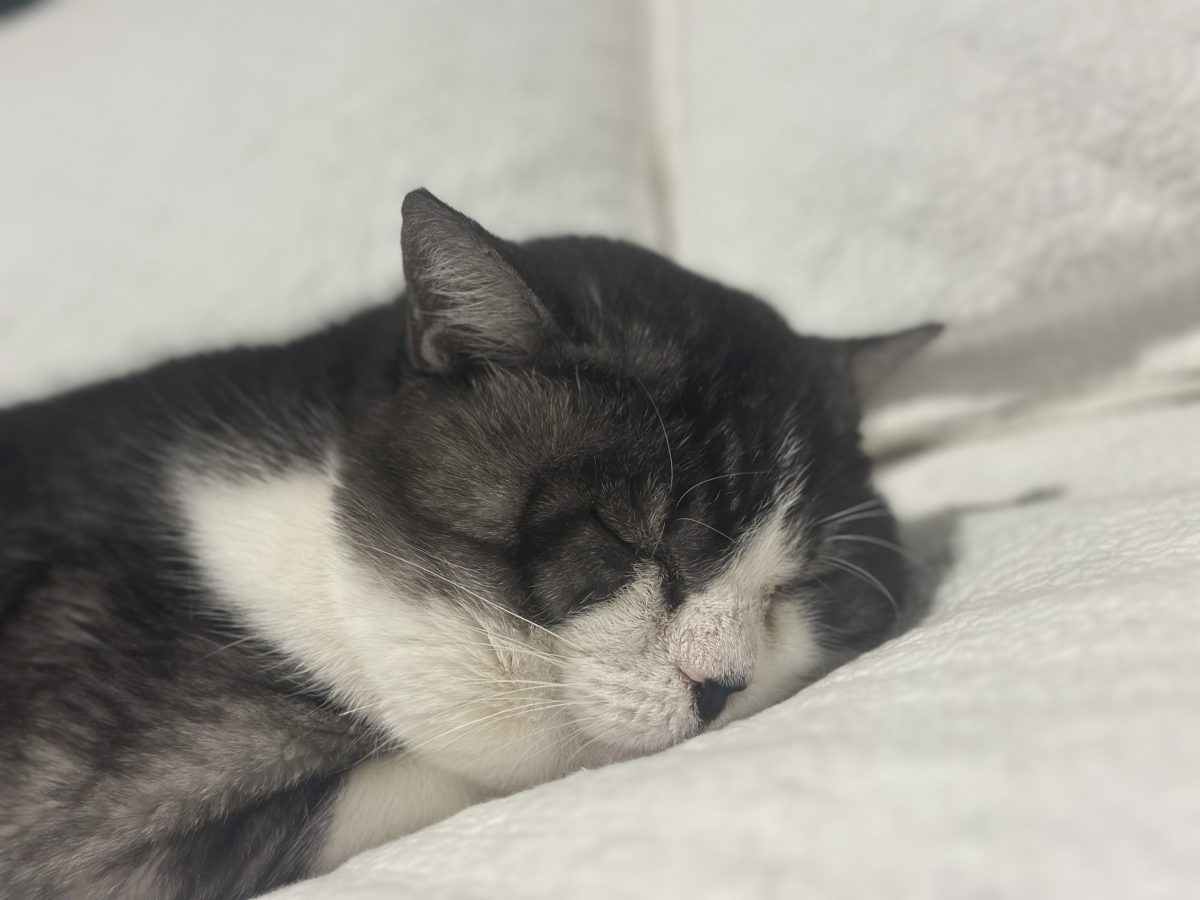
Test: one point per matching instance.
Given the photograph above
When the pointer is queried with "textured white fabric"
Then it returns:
(174, 176)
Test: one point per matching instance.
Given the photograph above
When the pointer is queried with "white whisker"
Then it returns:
(887, 545)
(866, 576)
(850, 510)
(706, 525)
(716, 478)
(467, 591)
(670, 460)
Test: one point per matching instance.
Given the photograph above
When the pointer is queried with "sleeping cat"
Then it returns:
(561, 504)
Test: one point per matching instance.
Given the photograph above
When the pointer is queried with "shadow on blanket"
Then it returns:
(931, 541)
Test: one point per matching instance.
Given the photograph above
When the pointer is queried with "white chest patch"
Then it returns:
(386, 798)
(467, 693)
(270, 548)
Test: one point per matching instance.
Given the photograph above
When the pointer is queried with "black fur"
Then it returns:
(151, 745)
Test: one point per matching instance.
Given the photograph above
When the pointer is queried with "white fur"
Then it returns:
(482, 702)
(386, 798)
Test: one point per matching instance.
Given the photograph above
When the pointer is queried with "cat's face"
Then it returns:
(603, 504)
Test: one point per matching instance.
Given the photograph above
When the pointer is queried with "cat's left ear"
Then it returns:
(871, 360)
(466, 301)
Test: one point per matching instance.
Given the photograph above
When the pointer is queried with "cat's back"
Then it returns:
(114, 661)
(74, 471)
(77, 486)
(100, 447)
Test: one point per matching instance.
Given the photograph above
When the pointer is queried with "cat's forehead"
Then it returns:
(609, 289)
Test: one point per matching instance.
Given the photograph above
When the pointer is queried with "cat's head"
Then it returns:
(604, 503)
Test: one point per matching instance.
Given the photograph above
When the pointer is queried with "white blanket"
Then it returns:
(175, 176)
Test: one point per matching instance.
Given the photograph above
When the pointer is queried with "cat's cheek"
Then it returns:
(789, 658)
(626, 694)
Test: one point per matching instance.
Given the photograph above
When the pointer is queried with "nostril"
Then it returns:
(711, 696)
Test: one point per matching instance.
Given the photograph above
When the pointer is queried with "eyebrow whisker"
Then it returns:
(706, 525)
(670, 460)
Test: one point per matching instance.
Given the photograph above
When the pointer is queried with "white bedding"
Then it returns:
(178, 175)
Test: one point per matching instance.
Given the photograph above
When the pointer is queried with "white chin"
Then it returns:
(609, 747)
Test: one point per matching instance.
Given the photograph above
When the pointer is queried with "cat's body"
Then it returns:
(558, 506)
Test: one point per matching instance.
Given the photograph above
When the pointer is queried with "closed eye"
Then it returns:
(612, 532)
(670, 577)
(581, 560)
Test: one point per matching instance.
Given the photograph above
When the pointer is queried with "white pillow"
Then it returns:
(869, 162)
(181, 175)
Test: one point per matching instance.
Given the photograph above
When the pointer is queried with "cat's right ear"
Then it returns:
(466, 302)
(870, 361)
